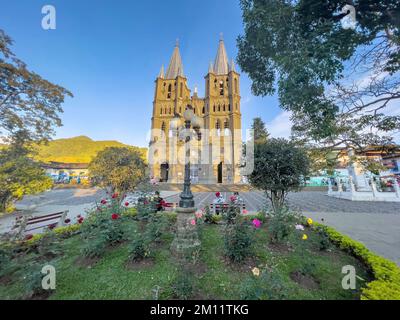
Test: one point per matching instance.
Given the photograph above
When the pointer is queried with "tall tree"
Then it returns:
(118, 169)
(28, 102)
(29, 109)
(341, 84)
(260, 133)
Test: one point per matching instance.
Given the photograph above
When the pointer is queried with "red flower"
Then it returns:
(115, 195)
(114, 216)
(233, 198)
(126, 204)
(67, 220)
(103, 201)
(28, 236)
(217, 194)
(80, 220)
(52, 226)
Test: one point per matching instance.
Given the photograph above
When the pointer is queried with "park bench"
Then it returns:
(29, 224)
(217, 207)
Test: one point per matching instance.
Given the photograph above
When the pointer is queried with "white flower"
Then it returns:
(299, 227)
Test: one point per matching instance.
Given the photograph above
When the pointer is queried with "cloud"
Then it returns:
(280, 126)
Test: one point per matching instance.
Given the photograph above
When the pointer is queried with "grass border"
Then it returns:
(386, 285)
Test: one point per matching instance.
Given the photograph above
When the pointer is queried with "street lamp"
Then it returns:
(186, 237)
(191, 120)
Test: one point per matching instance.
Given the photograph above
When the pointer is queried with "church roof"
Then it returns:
(221, 60)
(175, 67)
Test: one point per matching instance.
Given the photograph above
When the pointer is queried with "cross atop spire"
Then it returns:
(221, 36)
(221, 60)
(175, 67)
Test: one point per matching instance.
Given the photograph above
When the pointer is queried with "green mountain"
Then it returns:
(80, 149)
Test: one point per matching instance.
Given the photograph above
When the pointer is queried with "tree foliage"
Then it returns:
(19, 175)
(118, 169)
(27, 101)
(340, 84)
(260, 133)
(279, 167)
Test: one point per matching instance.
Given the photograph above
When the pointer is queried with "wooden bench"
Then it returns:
(39, 222)
(217, 207)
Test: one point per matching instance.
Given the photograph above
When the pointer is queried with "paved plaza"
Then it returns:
(376, 224)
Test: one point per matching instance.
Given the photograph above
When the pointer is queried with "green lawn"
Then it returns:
(214, 277)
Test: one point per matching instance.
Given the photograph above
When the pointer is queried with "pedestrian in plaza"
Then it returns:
(218, 202)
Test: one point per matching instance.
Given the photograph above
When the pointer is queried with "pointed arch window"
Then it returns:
(169, 91)
(181, 90)
(219, 108)
(214, 107)
(163, 126)
(203, 111)
(221, 88)
(161, 111)
(229, 107)
(224, 108)
(236, 86)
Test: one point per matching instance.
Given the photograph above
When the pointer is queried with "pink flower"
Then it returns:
(115, 195)
(256, 223)
(103, 201)
(233, 198)
(245, 211)
(193, 222)
(126, 204)
(198, 215)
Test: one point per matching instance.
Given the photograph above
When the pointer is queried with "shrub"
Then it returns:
(238, 241)
(324, 241)
(282, 224)
(32, 280)
(138, 249)
(279, 167)
(94, 247)
(268, 286)
(216, 218)
(230, 213)
(208, 215)
(155, 228)
(101, 229)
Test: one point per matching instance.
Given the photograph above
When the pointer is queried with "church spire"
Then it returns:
(161, 74)
(211, 68)
(221, 60)
(232, 66)
(175, 67)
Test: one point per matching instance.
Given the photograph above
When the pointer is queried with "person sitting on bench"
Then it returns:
(218, 202)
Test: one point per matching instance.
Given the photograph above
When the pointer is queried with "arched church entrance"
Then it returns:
(164, 172)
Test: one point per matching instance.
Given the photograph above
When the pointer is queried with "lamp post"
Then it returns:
(186, 237)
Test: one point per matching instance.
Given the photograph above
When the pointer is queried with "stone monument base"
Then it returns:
(186, 237)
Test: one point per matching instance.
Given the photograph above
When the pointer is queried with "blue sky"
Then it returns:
(108, 53)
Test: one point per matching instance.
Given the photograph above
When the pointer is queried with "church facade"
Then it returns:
(215, 149)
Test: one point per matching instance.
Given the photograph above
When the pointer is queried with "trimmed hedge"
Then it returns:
(386, 285)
